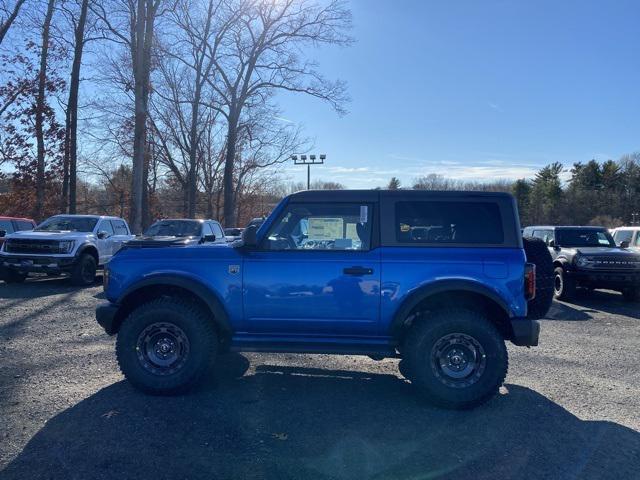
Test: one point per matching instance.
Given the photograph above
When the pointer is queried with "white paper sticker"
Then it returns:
(364, 213)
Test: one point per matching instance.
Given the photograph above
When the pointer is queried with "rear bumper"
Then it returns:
(106, 316)
(525, 332)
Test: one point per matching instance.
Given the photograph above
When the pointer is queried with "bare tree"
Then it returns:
(41, 105)
(8, 14)
(70, 162)
(261, 57)
(131, 23)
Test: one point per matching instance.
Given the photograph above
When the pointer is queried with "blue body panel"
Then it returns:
(207, 264)
(406, 269)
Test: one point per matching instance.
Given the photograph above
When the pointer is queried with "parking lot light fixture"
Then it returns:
(308, 161)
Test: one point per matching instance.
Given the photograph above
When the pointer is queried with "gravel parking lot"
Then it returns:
(570, 408)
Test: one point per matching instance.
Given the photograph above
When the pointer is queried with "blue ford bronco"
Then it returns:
(439, 280)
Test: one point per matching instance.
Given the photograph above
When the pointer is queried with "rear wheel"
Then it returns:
(538, 254)
(564, 288)
(456, 358)
(84, 271)
(166, 346)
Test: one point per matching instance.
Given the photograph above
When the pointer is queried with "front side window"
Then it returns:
(327, 226)
(68, 224)
(105, 226)
(441, 222)
(217, 230)
(7, 226)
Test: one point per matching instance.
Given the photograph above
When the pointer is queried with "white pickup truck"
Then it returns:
(74, 245)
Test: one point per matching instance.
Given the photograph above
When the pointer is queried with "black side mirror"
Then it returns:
(102, 235)
(249, 237)
(551, 243)
(624, 244)
(209, 238)
(3, 233)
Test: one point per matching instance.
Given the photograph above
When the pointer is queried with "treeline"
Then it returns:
(179, 98)
(589, 193)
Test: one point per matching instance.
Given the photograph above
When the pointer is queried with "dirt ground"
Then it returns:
(570, 407)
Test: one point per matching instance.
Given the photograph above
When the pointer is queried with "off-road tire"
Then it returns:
(427, 334)
(84, 271)
(631, 294)
(11, 276)
(198, 329)
(538, 254)
(564, 287)
(403, 368)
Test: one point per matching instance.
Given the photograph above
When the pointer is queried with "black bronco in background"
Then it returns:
(588, 257)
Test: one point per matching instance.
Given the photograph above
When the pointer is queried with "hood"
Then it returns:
(161, 241)
(607, 251)
(55, 235)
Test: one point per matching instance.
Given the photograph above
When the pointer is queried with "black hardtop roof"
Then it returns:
(375, 195)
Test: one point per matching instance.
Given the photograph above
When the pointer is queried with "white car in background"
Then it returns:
(73, 245)
(631, 235)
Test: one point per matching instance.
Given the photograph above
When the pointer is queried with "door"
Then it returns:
(104, 244)
(316, 273)
(120, 235)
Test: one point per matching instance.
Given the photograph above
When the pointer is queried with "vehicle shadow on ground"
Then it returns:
(41, 286)
(562, 311)
(287, 422)
(604, 301)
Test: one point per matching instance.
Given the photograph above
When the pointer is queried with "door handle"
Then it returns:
(357, 271)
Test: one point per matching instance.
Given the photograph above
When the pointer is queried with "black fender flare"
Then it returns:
(197, 288)
(83, 247)
(441, 286)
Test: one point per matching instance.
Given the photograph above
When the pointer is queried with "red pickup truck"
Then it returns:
(11, 224)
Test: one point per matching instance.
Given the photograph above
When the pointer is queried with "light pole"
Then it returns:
(308, 161)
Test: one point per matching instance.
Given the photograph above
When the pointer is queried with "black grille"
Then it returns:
(44, 247)
(615, 263)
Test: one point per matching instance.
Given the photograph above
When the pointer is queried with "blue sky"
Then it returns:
(476, 90)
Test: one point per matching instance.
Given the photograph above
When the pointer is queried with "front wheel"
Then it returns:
(84, 271)
(564, 288)
(457, 358)
(166, 346)
(11, 276)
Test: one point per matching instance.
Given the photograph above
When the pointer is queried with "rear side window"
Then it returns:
(119, 227)
(448, 222)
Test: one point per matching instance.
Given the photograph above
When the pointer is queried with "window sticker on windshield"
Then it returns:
(322, 228)
(364, 213)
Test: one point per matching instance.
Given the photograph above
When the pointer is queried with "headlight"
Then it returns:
(584, 261)
(65, 246)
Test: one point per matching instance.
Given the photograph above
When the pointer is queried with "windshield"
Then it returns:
(174, 228)
(71, 224)
(584, 238)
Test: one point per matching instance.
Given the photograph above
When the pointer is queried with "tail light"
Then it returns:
(530, 281)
